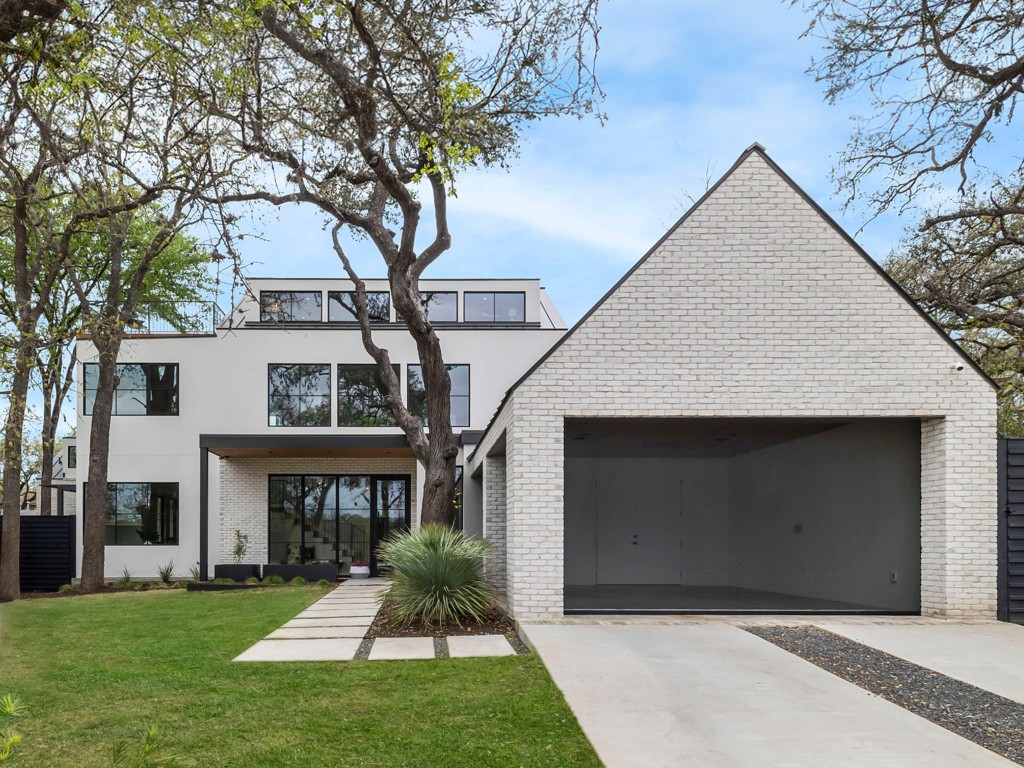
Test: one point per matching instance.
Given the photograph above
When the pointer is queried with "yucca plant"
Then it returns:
(166, 572)
(437, 574)
(10, 707)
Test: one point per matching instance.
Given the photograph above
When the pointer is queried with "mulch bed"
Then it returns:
(389, 624)
(987, 719)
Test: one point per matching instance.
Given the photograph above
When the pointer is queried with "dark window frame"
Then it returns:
(354, 319)
(328, 396)
(426, 308)
(175, 514)
(373, 368)
(494, 295)
(468, 396)
(264, 318)
(87, 410)
(72, 454)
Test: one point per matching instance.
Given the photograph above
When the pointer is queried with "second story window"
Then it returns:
(497, 307)
(72, 455)
(361, 397)
(341, 306)
(417, 399)
(441, 306)
(291, 306)
(143, 389)
(299, 396)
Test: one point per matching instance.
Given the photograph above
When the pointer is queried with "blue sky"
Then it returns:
(690, 84)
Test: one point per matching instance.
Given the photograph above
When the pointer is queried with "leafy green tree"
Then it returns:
(944, 80)
(360, 107)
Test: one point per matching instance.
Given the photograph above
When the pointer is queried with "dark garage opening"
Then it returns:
(742, 516)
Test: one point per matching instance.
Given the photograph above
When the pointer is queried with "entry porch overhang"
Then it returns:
(306, 446)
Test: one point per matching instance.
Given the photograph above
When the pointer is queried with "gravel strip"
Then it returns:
(517, 643)
(441, 648)
(363, 653)
(989, 720)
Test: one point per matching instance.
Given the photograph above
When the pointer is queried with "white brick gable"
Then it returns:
(756, 305)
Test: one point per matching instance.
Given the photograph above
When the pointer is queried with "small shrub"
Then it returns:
(298, 581)
(253, 580)
(241, 546)
(323, 583)
(10, 708)
(126, 579)
(223, 580)
(273, 579)
(166, 572)
(437, 574)
(68, 588)
(148, 754)
(194, 573)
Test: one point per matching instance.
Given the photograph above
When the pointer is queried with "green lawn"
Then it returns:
(93, 670)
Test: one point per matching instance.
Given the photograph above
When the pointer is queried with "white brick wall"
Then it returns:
(756, 306)
(245, 486)
(494, 523)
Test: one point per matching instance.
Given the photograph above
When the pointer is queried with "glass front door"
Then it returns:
(338, 519)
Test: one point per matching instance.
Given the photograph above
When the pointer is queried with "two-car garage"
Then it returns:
(742, 515)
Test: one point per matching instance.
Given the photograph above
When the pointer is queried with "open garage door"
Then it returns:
(742, 516)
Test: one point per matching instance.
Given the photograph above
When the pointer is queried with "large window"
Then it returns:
(141, 513)
(291, 306)
(417, 401)
(341, 306)
(300, 396)
(143, 389)
(361, 397)
(441, 306)
(496, 307)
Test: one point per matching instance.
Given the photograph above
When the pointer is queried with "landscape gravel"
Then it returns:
(987, 719)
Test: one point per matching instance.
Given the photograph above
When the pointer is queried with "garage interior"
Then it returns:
(723, 515)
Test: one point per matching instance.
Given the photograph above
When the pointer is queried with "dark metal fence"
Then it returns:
(47, 552)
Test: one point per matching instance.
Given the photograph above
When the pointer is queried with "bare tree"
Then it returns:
(358, 107)
(943, 79)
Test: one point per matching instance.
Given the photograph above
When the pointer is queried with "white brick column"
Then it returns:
(495, 532)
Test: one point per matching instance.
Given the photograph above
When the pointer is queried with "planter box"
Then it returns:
(209, 586)
(310, 571)
(238, 572)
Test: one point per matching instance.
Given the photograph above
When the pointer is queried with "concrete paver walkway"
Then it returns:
(714, 695)
(334, 627)
(316, 634)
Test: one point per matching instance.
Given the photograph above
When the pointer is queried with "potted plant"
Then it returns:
(239, 570)
(360, 569)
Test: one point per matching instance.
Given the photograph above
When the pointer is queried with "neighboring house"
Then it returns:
(755, 418)
(269, 422)
(65, 470)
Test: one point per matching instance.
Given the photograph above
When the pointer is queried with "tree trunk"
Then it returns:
(46, 456)
(10, 558)
(107, 345)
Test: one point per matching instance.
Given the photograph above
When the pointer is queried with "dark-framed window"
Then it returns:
(299, 395)
(361, 400)
(417, 393)
(72, 454)
(440, 306)
(143, 389)
(341, 306)
(494, 307)
(291, 306)
(141, 514)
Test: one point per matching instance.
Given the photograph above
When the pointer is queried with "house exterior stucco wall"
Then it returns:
(755, 306)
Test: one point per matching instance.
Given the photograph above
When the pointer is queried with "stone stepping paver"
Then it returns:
(314, 633)
(330, 621)
(340, 649)
(464, 646)
(392, 648)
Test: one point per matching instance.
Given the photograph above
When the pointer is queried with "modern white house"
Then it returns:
(268, 421)
(754, 419)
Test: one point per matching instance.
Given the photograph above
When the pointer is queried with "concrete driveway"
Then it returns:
(710, 694)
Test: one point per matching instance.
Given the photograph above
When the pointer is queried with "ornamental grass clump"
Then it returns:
(438, 575)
